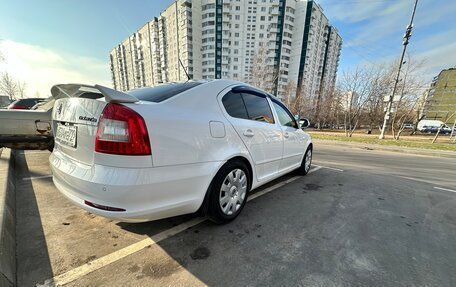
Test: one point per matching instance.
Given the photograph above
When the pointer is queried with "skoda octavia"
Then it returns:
(171, 149)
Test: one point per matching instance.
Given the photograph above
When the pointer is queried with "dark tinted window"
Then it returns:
(162, 92)
(92, 96)
(285, 117)
(258, 108)
(234, 105)
(29, 102)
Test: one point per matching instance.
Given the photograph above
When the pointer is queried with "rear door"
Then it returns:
(294, 139)
(252, 118)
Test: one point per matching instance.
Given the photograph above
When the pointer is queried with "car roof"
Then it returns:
(166, 91)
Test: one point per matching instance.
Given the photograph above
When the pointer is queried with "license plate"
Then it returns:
(66, 135)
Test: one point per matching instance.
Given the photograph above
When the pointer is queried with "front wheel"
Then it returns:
(306, 162)
(228, 192)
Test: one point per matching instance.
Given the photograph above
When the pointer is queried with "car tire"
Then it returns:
(228, 192)
(306, 162)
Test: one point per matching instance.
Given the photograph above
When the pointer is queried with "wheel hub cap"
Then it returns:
(233, 191)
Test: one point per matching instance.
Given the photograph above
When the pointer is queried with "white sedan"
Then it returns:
(172, 149)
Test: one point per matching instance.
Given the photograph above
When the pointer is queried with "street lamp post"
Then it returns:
(408, 34)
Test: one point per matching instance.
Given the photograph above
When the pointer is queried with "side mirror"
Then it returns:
(304, 123)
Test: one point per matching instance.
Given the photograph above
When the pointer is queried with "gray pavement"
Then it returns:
(368, 218)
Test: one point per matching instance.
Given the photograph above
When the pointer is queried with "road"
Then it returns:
(361, 218)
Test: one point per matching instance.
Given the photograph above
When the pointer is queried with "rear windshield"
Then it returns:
(29, 102)
(162, 92)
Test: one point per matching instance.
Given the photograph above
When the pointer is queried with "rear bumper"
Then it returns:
(145, 193)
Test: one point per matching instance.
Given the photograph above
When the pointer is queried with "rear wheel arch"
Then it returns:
(247, 164)
(203, 210)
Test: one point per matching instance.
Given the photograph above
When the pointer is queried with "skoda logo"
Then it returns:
(59, 109)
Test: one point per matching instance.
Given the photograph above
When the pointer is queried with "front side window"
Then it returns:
(285, 117)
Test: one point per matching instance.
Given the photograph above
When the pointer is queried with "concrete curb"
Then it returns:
(7, 219)
(408, 150)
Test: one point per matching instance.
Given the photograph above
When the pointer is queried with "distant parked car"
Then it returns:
(28, 129)
(25, 104)
(408, 126)
(172, 149)
(432, 126)
(432, 130)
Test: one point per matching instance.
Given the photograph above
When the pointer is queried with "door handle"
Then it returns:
(248, 133)
(286, 135)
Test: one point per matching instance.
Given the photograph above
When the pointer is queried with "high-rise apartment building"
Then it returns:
(290, 43)
(441, 100)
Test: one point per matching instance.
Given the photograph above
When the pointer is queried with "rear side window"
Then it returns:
(247, 106)
(234, 105)
(162, 92)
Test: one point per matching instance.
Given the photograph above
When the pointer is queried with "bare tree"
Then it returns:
(21, 88)
(408, 99)
(289, 97)
(448, 116)
(356, 88)
(380, 78)
(263, 73)
(8, 85)
(2, 58)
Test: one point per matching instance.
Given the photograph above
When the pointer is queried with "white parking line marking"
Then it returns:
(327, 167)
(37, 177)
(446, 189)
(96, 264)
(275, 186)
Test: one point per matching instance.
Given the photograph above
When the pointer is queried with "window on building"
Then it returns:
(208, 6)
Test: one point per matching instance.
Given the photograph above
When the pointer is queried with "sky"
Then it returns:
(48, 42)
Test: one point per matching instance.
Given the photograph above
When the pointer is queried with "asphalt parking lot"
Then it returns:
(361, 218)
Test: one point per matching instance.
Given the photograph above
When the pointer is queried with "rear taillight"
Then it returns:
(122, 131)
(17, 107)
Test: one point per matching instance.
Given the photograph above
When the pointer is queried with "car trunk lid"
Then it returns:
(76, 114)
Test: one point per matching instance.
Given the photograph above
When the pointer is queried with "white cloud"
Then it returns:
(41, 68)
(356, 11)
(437, 59)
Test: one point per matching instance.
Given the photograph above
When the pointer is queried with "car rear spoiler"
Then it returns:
(78, 90)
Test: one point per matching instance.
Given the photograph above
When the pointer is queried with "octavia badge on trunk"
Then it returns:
(86, 118)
